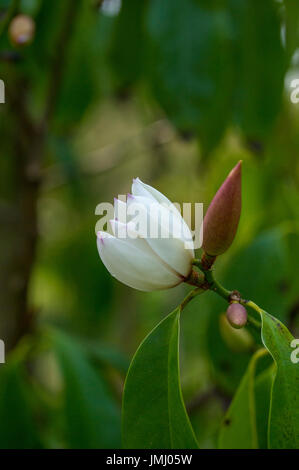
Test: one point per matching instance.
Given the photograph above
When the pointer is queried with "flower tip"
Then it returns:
(237, 169)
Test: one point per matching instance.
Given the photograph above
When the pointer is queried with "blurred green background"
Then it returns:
(172, 91)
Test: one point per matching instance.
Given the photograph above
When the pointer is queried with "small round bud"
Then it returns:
(21, 30)
(236, 315)
(222, 218)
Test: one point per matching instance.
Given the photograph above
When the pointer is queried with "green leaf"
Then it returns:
(284, 409)
(263, 384)
(260, 64)
(92, 417)
(239, 429)
(154, 414)
(292, 25)
(81, 85)
(190, 64)
(127, 46)
(18, 428)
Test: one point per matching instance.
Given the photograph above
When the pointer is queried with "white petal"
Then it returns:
(120, 210)
(145, 190)
(132, 262)
(162, 229)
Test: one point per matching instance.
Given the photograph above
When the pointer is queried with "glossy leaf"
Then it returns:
(284, 410)
(154, 414)
(239, 429)
(262, 389)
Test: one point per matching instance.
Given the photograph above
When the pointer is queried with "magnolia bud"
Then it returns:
(222, 218)
(236, 315)
(21, 30)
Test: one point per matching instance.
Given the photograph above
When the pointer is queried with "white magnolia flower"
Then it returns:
(153, 250)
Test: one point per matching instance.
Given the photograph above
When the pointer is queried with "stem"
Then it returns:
(256, 324)
(255, 307)
(190, 296)
(252, 305)
(212, 284)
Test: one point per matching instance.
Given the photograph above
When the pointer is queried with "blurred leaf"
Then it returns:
(48, 22)
(292, 25)
(81, 84)
(18, 428)
(260, 63)
(190, 65)
(284, 408)
(239, 427)
(154, 414)
(92, 417)
(127, 46)
(292, 241)
(75, 264)
(106, 354)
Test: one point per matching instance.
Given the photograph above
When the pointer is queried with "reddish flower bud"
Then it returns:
(21, 30)
(236, 315)
(222, 218)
